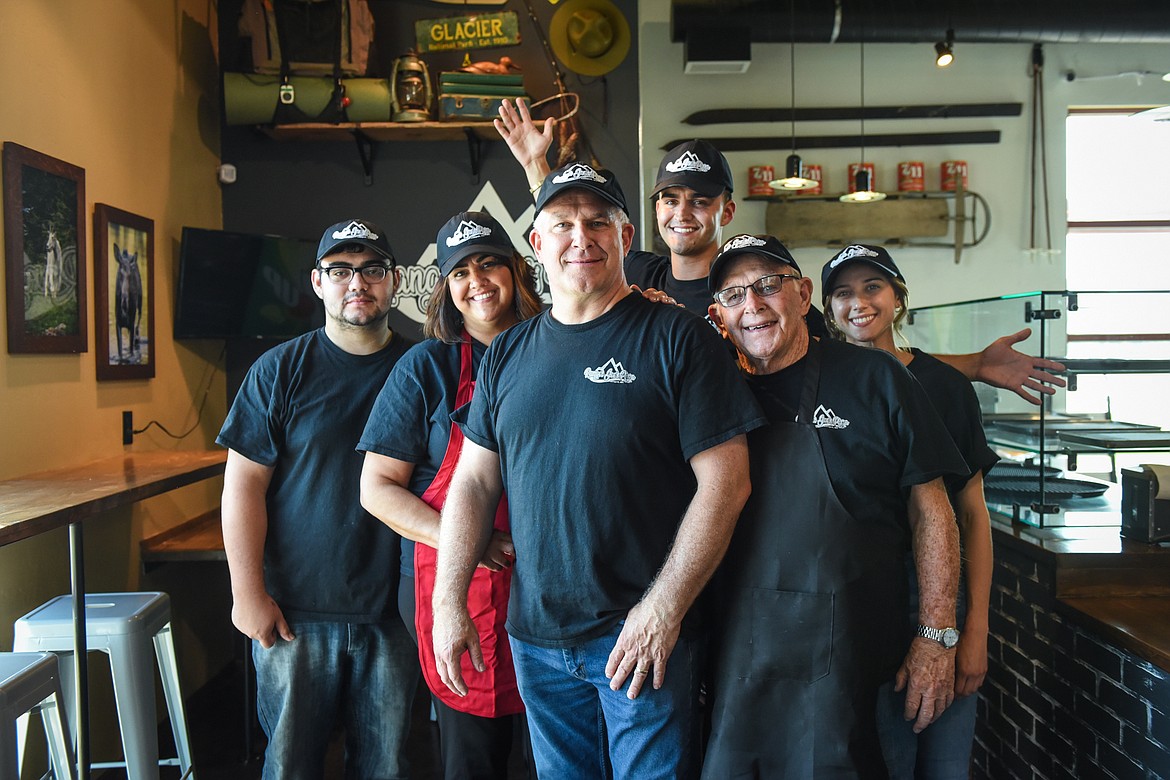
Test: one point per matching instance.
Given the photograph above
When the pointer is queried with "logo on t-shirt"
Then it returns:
(827, 418)
(688, 161)
(612, 371)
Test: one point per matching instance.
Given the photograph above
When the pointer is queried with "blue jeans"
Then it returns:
(582, 729)
(941, 752)
(362, 676)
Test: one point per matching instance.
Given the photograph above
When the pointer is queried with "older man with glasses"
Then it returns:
(314, 576)
(812, 591)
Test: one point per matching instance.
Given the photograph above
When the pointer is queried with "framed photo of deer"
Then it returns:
(124, 293)
(44, 232)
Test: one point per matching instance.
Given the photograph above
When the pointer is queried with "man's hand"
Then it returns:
(529, 143)
(928, 676)
(259, 618)
(643, 646)
(1002, 366)
(453, 635)
(970, 662)
(500, 553)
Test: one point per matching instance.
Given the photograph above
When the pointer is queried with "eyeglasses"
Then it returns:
(341, 274)
(730, 297)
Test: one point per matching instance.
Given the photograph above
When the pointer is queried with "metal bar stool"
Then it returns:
(124, 626)
(29, 682)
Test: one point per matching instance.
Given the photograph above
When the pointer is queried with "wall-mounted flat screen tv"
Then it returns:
(238, 285)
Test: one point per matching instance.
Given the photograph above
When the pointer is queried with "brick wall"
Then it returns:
(1059, 702)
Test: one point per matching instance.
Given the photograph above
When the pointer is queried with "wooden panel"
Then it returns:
(1139, 625)
(817, 222)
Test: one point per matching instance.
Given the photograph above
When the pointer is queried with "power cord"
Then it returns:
(208, 374)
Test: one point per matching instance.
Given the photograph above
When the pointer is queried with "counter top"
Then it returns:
(36, 503)
(1118, 587)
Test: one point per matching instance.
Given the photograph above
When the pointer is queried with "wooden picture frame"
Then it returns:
(44, 232)
(123, 289)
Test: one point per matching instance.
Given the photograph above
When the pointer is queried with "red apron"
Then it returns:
(493, 692)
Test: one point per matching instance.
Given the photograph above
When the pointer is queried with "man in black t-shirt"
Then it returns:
(847, 476)
(616, 427)
(314, 576)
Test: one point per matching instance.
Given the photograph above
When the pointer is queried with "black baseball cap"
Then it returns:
(579, 175)
(354, 231)
(696, 165)
(858, 253)
(745, 244)
(470, 233)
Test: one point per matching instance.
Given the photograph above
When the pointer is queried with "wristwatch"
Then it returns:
(947, 637)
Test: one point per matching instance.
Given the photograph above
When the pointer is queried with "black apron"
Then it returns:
(811, 607)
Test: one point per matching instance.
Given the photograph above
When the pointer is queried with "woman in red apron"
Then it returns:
(411, 450)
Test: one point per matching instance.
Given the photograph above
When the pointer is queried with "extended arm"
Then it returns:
(999, 365)
(245, 527)
(464, 531)
(529, 143)
(928, 673)
(975, 529)
(652, 625)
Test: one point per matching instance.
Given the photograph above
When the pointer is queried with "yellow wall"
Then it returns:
(127, 90)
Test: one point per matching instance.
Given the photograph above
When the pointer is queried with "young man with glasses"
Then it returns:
(314, 576)
(845, 478)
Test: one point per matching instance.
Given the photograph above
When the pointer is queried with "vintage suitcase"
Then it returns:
(470, 108)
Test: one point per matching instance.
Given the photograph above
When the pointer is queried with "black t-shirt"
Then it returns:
(955, 401)
(300, 410)
(595, 425)
(647, 269)
(878, 431)
(411, 419)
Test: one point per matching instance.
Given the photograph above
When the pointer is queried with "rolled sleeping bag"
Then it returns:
(251, 98)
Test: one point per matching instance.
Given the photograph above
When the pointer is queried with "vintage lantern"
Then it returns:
(410, 90)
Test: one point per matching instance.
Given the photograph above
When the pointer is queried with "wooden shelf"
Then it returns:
(383, 131)
(198, 539)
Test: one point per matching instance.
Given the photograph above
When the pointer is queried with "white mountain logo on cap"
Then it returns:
(688, 161)
(577, 173)
(466, 231)
(355, 229)
(611, 372)
(739, 242)
(850, 252)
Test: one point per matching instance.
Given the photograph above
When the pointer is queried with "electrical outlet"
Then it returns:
(127, 427)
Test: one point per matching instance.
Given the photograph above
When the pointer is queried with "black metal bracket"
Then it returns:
(365, 148)
(474, 151)
(1036, 313)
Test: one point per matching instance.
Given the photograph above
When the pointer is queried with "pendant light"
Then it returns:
(863, 180)
(944, 50)
(794, 178)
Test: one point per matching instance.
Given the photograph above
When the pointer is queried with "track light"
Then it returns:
(944, 51)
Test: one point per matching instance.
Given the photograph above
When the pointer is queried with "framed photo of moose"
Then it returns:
(124, 293)
(44, 232)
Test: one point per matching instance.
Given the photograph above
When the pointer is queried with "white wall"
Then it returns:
(898, 74)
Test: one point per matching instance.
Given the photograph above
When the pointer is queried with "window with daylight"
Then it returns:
(1118, 193)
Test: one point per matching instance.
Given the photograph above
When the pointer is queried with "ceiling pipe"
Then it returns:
(913, 21)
